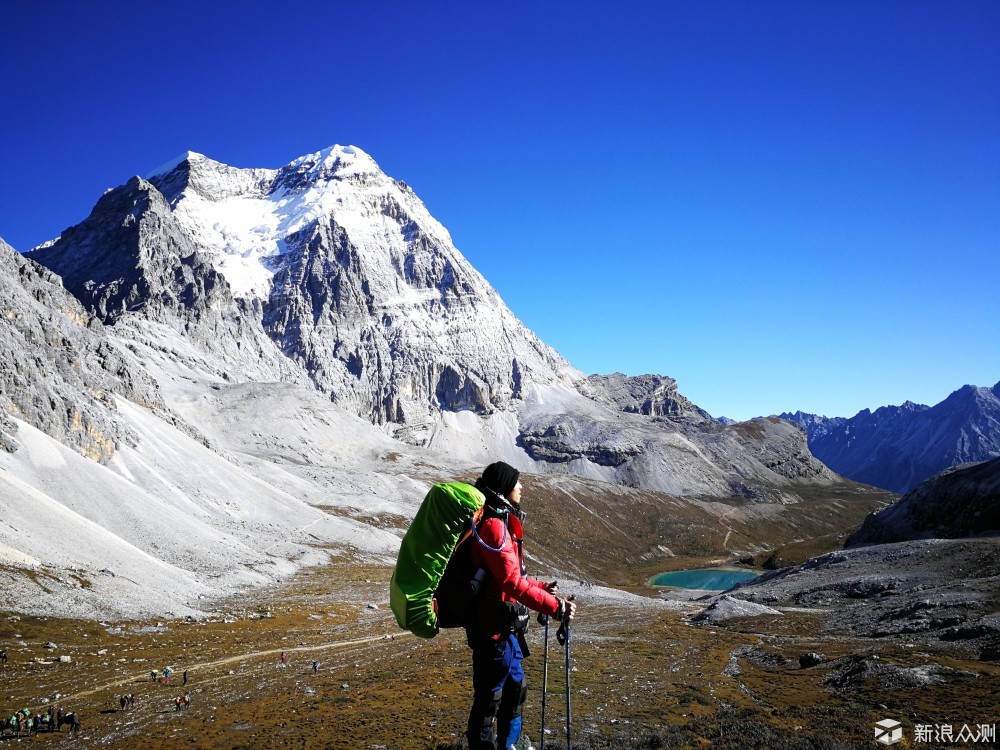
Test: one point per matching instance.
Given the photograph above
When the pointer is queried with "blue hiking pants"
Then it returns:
(499, 690)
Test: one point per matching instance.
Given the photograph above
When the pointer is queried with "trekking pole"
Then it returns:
(562, 635)
(544, 620)
(569, 712)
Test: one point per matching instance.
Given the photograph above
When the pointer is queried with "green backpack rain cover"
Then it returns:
(424, 553)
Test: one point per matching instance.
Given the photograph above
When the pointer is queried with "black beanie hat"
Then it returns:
(500, 477)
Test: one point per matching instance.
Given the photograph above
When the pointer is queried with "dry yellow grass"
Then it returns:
(635, 671)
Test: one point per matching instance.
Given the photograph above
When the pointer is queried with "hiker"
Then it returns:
(496, 635)
(284, 658)
(185, 677)
(166, 675)
(3, 658)
(315, 666)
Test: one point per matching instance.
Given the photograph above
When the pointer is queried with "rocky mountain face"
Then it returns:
(897, 447)
(959, 502)
(60, 370)
(268, 367)
(366, 292)
(133, 266)
(650, 395)
(326, 268)
(330, 272)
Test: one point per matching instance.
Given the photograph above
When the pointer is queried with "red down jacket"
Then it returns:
(506, 579)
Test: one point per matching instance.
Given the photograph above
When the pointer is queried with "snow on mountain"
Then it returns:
(169, 518)
(269, 366)
(243, 217)
(359, 284)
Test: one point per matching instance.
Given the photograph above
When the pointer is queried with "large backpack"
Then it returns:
(422, 597)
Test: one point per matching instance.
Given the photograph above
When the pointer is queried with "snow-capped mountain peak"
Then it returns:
(335, 161)
(244, 218)
(332, 263)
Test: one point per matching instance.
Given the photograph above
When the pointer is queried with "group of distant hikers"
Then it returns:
(180, 701)
(167, 671)
(23, 722)
(53, 720)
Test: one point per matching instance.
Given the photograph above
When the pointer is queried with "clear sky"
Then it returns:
(783, 205)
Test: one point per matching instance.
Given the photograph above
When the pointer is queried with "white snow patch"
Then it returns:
(246, 231)
(174, 519)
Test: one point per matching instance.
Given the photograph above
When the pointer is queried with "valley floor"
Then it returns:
(642, 676)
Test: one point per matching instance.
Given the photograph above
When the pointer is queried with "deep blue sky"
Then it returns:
(784, 205)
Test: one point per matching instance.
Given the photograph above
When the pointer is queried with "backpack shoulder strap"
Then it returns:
(475, 531)
(465, 535)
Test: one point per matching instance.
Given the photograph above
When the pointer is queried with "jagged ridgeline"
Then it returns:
(329, 272)
(898, 447)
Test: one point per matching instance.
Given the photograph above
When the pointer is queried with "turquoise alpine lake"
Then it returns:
(705, 579)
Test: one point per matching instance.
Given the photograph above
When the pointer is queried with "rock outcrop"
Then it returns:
(60, 369)
(650, 395)
(960, 502)
(928, 590)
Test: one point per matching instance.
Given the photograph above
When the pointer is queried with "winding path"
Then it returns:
(242, 657)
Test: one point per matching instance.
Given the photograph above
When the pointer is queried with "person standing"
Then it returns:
(496, 636)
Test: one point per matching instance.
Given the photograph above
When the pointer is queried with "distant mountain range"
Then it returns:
(898, 447)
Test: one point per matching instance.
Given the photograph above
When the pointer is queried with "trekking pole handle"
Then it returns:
(566, 614)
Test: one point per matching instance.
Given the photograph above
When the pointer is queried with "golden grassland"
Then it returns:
(640, 676)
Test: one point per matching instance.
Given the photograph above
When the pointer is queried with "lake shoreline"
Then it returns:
(719, 578)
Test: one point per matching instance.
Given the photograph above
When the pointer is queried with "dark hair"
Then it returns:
(501, 478)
